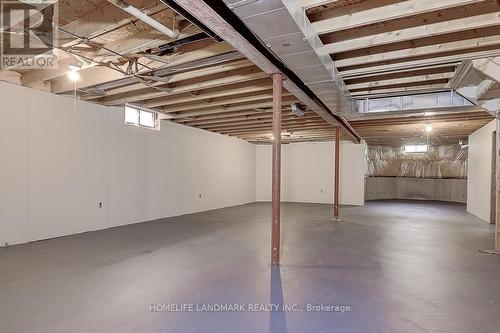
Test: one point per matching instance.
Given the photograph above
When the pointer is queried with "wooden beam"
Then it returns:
(195, 73)
(268, 129)
(401, 74)
(426, 30)
(257, 118)
(221, 79)
(314, 3)
(254, 86)
(329, 21)
(239, 118)
(205, 104)
(414, 64)
(99, 75)
(10, 76)
(427, 51)
(230, 109)
(398, 81)
(257, 122)
(402, 71)
(413, 89)
(225, 115)
(265, 127)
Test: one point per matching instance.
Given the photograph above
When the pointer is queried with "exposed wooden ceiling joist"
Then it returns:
(214, 80)
(474, 22)
(354, 16)
(379, 47)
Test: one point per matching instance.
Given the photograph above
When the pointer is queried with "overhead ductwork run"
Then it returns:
(286, 31)
(217, 16)
(479, 79)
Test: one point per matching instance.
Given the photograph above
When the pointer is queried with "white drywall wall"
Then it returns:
(479, 171)
(14, 164)
(263, 172)
(59, 161)
(180, 163)
(308, 172)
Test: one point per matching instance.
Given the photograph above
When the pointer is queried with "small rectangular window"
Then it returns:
(146, 118)
(415, 148)
(140, 117)
(131, 115)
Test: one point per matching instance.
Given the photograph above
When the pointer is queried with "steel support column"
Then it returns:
(275, 228)
(337, 175)
(497, 227)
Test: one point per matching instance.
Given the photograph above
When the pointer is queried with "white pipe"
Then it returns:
(145, 18)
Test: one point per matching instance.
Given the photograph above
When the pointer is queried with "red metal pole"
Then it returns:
(497, 217)
(275, 228)
(337, 177)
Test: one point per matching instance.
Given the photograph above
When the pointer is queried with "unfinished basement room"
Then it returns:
(250, 166)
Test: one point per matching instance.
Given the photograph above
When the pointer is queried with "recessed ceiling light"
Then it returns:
(428, 128)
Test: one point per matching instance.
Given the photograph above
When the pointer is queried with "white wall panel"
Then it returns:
(263, 172)
(309, 175)
(479, 171)
(83, 154)
(307, 172)
(68, 166)
(14, 163)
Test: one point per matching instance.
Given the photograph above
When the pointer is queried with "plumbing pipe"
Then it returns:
(145, 18)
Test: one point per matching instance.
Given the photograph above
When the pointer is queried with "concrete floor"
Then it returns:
(400, 266)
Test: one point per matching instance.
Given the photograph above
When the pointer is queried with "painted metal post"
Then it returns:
(497, 220)
(337, 177)
(276, 196)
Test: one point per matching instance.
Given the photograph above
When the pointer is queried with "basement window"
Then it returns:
(415, 148)
(140, 117)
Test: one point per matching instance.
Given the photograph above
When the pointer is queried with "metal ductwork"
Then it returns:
(217, 16)
(284, 29)
(475, 79)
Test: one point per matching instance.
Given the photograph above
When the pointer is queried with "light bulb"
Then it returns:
(73, 75)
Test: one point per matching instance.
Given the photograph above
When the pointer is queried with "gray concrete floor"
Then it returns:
(400, 266)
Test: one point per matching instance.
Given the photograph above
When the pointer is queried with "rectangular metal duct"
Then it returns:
(215, 15)
(285, 29)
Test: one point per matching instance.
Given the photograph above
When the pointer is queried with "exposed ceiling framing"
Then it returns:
(378, 47)
(399, 46)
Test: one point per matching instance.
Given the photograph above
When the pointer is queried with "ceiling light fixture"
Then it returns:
(428, 128)
(73, 74)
